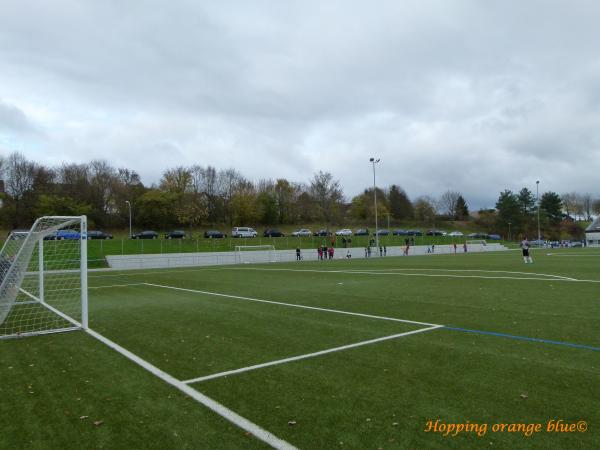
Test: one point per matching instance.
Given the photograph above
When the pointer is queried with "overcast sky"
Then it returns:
(475, 96)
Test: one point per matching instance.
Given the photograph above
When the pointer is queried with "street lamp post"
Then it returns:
(509, 231)
(537, 198)
(375, 161)
(129, 206)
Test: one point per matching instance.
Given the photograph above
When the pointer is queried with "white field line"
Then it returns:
(484, 271)
(308, 355)
(574, 255)
(236, 419)
(367, 272)
(293, 305)
(95, 287)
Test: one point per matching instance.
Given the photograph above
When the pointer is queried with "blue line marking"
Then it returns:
(524, 338)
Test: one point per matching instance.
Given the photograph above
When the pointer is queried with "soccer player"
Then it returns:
(298, 254)
(525, 246)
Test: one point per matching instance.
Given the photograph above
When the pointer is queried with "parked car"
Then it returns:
(272, 232)
(383, 232)
(322, 233)
(214, 234)
(99, 235)
(414, 233)
(576, 244)
(434, 233)
(302, 232)
(176, 234)
(243, 232)
(494, 237)
(539, 243)
(344, 232)
(399, 232)
(61, 235)
(147, 234)
(456, 233)
(362, 232)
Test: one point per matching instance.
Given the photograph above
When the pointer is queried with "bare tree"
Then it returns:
(327, 194)
(448, 202)
(587, 204)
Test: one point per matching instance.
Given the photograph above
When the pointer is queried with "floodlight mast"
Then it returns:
(375, 161)
(537, 197)
(129, 206)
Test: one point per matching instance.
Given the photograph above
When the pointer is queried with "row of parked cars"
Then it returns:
(247, 232)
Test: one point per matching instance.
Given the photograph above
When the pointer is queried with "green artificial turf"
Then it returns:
(376, 396)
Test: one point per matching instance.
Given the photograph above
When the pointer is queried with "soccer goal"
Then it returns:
(245, 254)
(478, 245)
(43, 278)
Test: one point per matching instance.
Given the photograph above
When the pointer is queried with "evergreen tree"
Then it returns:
(551, 207)
(509, 210)
(462, 210)
(400, 205)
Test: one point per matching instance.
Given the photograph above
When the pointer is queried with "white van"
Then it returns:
(243, 232)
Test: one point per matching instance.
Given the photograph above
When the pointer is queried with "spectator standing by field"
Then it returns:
(525, 246)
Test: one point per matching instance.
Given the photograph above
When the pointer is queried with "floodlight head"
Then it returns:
(371, 159)
(537, 182)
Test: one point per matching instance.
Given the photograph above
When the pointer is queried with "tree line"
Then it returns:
(203, 196)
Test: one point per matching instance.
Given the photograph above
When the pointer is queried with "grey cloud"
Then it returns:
(14, 121)
(466, 95)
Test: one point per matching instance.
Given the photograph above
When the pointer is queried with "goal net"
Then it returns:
(43, 278)
(478, 244)
(245, 254)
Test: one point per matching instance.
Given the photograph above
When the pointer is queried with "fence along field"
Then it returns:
(198, 323)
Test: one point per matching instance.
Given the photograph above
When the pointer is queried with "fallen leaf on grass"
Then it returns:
(98, 422)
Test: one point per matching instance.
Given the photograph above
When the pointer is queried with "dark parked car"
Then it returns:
(383, 232)
(362, 232)
(99, 235)
(322, 233)
(272, 232)
(494, 237)
(400, 233)
(434, 233)
(414, 233)
(145, 235)
(176, 234)
(214, 234)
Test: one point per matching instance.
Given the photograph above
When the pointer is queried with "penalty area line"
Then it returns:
(226, 413)
(308, 355)
(293, 305)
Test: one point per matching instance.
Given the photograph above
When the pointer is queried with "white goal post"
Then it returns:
(245, 254)
(477, 243)
(43, 278)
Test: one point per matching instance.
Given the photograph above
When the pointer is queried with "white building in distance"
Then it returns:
(592, 234)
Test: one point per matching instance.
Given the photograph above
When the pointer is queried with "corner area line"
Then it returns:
(293, 305)
(308, 355)
(226, 413)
